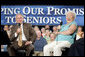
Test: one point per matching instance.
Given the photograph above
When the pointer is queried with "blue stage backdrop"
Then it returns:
(40, 14)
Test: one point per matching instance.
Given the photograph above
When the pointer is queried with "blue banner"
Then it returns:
(40, 14)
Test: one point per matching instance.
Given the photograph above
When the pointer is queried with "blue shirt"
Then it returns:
(69, 38)
(39, 44)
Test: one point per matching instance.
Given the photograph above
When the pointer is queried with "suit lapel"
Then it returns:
(16, 27)
(25, 30)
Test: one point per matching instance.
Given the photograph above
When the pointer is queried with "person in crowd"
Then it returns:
(55, 30)
(77, 49)
(82, 35)
(39, 44)
(6, 28)
(36, 28)
(47, 36)
(2, 48)
(47, 27)
(22, 36)
(59, 27)
(43, 31)
(79, 33)
(52, 37)
(65, 36)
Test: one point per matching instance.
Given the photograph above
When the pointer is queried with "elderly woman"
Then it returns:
(65, 36)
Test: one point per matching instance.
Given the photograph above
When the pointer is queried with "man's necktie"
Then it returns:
(20, 38)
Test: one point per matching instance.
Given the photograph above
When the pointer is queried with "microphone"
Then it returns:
(19, 25)
(61, 23)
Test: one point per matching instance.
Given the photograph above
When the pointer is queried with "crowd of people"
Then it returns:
(54, 40)
(44, 36)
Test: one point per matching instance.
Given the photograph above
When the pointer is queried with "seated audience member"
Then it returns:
(39, 44)
(55, 30)
(83, 35)
(36, 28)
(47, 27)
(52, 37)
(47, 36)
(65, 37)
(77, 49)
(6, 28)
(79, 33)
(43, 32)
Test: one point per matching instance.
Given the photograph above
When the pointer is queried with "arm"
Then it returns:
(71, 30)
(13, 34)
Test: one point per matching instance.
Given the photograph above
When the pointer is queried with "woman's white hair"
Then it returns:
(73, 14)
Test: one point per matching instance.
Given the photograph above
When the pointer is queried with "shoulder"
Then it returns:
(27, 24)
(13, 26)
(74, 22)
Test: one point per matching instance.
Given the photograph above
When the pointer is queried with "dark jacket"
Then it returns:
(77, 49)
(28, 31)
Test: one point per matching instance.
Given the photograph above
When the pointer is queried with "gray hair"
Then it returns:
(73, 14)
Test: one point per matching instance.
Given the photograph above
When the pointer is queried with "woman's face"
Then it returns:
(69, 18)
(43, 30)
(52, 36)
(47, 32)
(36, 28)
(38, 34)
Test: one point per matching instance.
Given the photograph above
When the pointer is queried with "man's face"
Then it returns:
(79, 29)
(47, 32)
(19, 18)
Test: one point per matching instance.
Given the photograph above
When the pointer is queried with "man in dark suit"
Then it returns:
(77, 49)
(22, 36)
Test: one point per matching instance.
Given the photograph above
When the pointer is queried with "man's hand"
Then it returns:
(18, 30)
(28, 43)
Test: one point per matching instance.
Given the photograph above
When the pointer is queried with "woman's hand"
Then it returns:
(59, 32)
